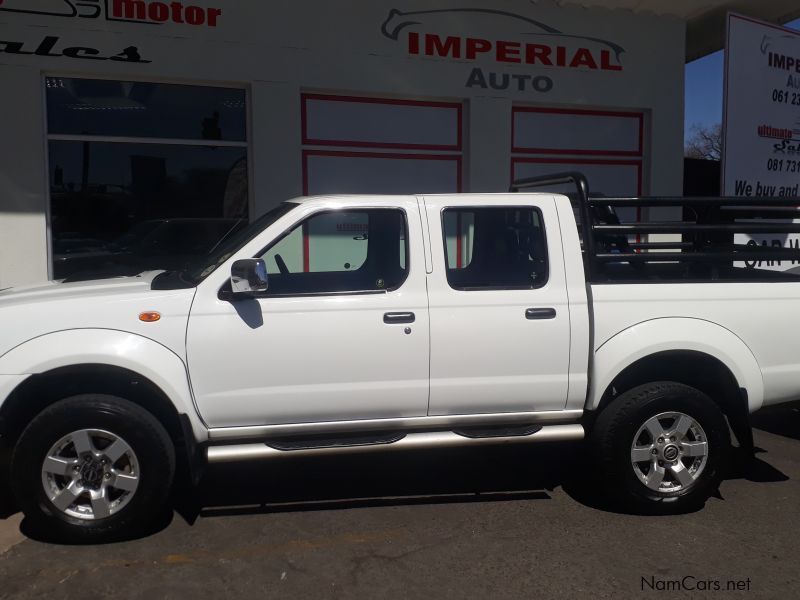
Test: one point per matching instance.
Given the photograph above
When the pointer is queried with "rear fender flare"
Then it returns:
(676, 334)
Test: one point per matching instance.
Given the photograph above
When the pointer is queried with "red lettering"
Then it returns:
(130, 9)
(561, 56)
(508, 52)
(538, 53)
(434, 45)
(158, 11)
(195, 15)
(177, 10)
(583, 58)
(477, 46)
(161, 12)
(413, 43)
(605, 62)
(213, 14)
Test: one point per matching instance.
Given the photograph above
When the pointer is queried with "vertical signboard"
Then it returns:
(761, 120)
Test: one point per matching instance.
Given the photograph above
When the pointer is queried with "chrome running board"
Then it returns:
(410, 441)
(402, 424)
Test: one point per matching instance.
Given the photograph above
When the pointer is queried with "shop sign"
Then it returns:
(761, 122)
(51, 46)
(131, 11)
(423, 34)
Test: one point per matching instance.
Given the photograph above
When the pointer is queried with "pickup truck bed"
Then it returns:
(377, 323)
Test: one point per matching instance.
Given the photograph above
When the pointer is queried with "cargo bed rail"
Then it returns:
(702, 245)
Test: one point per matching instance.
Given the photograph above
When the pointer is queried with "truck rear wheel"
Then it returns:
(93, 468)
(661, 447)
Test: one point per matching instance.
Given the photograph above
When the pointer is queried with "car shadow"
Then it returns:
(783, 420)
(488, 474)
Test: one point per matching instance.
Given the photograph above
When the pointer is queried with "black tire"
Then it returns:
(139, 429)
(613, 436)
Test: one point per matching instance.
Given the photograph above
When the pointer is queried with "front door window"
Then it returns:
(349, 251)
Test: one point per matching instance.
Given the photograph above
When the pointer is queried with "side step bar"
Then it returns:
(410, 441)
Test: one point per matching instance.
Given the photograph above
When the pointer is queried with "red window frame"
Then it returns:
(419, 148)
(457, 147)
(457, 158)
(638, 163)
(638, 116)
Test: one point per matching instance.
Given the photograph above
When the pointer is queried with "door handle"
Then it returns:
(395, 318)
(540, 313)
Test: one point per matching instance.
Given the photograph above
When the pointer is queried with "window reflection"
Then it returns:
(140, 109)
(119, 208)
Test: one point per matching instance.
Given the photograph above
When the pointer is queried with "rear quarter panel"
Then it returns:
(751, 327)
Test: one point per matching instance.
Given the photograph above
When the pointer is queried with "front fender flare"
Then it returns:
(676, 334)
(109, 347)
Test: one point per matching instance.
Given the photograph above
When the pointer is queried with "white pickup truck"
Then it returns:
(379, 323)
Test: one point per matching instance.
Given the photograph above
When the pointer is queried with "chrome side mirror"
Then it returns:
(249, 276)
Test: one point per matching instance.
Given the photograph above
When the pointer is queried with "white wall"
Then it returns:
(282, 49)
(23, 179)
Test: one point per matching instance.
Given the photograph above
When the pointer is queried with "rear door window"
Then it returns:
(495, 248)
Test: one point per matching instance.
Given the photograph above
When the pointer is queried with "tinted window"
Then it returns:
(120, 208)
(140, 109)
(495, 248)
(340, 251)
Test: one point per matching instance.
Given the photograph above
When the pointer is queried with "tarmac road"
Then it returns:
(496, 523)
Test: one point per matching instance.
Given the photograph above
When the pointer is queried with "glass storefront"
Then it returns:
(142, 175)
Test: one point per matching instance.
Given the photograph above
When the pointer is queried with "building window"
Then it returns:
(142, 175)
(380, 145)
(607, 146)
(361, 145)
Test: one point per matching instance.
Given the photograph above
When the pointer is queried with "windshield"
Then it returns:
(203, 266)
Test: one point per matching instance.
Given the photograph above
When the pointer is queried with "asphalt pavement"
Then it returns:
(482, 523)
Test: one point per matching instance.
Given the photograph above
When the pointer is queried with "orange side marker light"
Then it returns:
(149, 317)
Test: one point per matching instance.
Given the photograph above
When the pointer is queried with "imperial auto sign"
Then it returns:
(429, 34)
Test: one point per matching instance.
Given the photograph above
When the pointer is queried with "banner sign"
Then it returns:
(761, 120)
(500, 39)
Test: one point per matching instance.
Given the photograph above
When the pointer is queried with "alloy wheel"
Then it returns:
(669, 452)
(90, 474)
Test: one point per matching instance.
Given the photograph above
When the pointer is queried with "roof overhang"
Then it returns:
(705, 19)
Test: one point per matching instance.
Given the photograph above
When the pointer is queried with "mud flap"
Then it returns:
(739, 419)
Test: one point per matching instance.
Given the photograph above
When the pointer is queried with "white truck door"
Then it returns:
(499, 310)
(342, 333)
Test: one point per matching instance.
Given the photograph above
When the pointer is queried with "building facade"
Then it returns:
(120, 116)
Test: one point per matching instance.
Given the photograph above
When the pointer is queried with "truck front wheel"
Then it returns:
(661, 447)
(93, 468)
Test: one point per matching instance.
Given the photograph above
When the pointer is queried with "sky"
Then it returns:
(704, 89)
